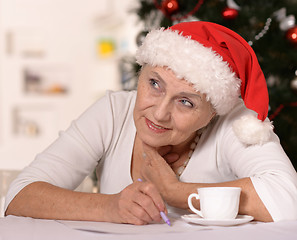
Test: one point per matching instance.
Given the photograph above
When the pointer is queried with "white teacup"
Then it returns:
(216, 202)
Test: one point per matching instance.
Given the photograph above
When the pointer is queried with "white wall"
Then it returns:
(59, 34)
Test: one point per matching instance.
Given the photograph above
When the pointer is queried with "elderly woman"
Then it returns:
(185, 127)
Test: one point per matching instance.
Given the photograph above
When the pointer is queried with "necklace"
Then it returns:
(193, 145)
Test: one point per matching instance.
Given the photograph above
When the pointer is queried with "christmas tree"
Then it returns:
(270, 28)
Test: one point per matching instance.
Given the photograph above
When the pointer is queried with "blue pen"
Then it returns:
(163, 215)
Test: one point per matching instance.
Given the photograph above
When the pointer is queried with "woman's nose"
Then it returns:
(162, 111)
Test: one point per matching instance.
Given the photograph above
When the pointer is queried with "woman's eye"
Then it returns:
(187, 103)
(154, 83)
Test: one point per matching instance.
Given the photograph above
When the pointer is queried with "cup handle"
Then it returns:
(191, 205)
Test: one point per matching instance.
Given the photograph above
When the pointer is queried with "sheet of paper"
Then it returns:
(177, 225)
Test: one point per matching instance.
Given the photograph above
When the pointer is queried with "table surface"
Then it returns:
(13, 228)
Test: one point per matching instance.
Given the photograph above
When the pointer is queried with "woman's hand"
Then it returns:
(139, 203)
(156, 169)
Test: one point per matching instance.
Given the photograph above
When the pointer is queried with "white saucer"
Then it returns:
(240, 219)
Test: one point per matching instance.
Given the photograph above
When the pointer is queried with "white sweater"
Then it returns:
(103, 137)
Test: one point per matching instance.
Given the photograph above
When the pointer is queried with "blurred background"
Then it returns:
(56, 58)
(59, 56)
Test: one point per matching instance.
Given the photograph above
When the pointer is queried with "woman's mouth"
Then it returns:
(156, 128)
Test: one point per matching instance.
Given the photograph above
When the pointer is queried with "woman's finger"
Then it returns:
(153, 159)
(130, 217)
(151, 191)
(164, 150)
(157, 171)
(146, 210)
(140, 203)
(171, 157)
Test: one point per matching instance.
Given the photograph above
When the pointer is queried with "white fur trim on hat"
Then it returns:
(191, 61)
(250, 130)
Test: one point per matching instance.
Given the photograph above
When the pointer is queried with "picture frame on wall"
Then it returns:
(48, 79)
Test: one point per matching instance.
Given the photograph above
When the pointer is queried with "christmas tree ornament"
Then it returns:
(262, 32)
(291, 35)
(170, 7)
(229, 13)
(287, 23)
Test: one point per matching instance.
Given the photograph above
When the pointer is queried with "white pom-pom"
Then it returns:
(252, 131)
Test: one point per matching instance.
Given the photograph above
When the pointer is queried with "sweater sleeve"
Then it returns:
(270, 170)
(75, 153)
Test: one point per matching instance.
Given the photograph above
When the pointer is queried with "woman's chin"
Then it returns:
(153, 142)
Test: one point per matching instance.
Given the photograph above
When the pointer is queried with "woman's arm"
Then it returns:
(40, 190)
(139, 203)
(250, 204)
(175, 193)
(43, 200)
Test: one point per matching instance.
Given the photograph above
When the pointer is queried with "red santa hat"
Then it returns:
(219, 63)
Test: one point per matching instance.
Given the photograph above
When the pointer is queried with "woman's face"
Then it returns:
(168, 110)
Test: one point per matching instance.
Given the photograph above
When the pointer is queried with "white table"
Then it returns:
(14, 228)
